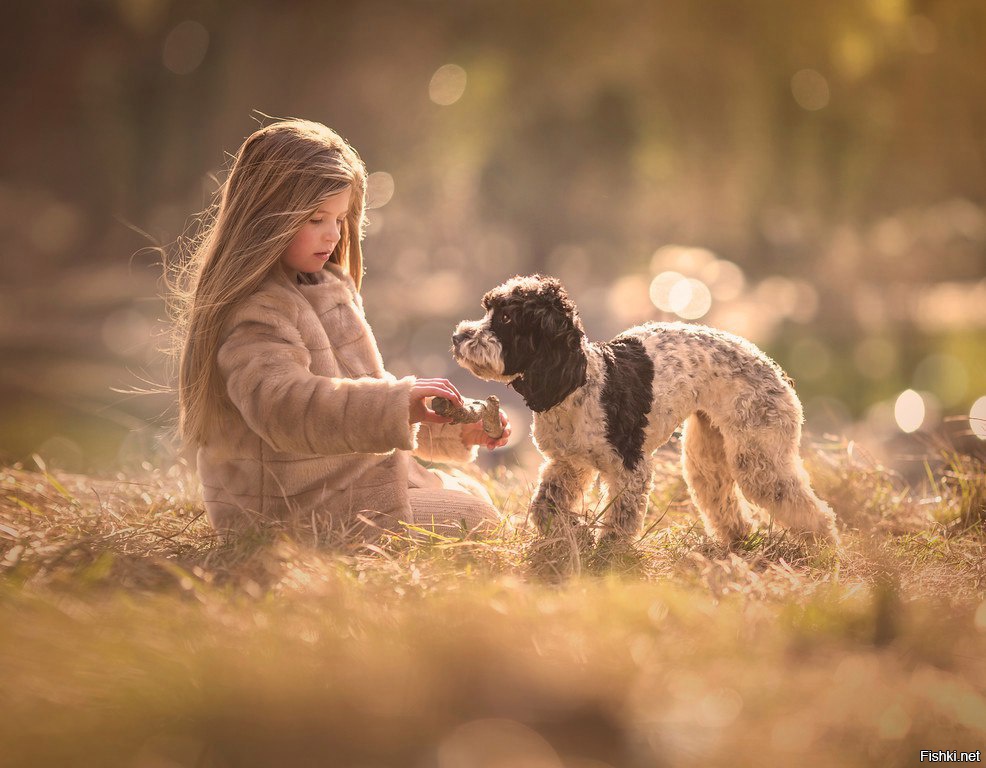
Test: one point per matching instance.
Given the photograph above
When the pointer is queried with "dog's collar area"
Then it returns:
(538, 398)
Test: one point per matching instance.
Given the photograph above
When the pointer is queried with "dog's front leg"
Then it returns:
(560, 492)
(627, 493)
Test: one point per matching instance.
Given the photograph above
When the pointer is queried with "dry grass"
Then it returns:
(130, 635)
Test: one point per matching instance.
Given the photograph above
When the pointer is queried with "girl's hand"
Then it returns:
(473, 434)
(431, 388)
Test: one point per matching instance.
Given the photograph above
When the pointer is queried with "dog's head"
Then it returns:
(531, 338)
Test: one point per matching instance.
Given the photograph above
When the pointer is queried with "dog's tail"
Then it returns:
(710, 481)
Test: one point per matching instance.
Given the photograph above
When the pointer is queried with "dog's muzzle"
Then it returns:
(478, 350)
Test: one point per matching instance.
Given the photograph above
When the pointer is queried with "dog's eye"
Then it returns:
(505, 318)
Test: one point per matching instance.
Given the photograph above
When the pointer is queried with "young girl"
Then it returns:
(281, 385)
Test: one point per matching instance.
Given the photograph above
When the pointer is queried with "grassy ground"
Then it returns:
(131, 636)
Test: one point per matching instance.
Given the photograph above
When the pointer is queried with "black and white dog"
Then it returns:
(605, 407)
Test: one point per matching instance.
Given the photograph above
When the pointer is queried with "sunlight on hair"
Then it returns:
(977, 418)
(909, 411)
(447, 84)
(379, 189)
(810, 89)
(185, 47)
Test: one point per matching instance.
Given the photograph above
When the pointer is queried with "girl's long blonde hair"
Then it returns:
(280, 175)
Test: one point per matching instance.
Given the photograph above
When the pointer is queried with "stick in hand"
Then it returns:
(472, 411)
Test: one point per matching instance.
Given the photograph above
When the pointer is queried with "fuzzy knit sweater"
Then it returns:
(314, 429)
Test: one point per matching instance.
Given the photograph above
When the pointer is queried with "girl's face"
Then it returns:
(319, 236)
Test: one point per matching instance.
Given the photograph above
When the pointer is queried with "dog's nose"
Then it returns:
(458, 338)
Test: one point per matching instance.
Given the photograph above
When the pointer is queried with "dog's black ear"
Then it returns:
(557, 369)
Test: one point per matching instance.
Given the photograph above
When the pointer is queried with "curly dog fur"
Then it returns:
(606, 407)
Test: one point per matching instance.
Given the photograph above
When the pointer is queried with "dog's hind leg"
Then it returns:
(710, 481)
(560, 494)
(769, 471)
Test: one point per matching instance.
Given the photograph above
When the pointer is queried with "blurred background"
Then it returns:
(810, 175)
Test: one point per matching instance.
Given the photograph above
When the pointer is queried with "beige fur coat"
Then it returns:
(314, 428)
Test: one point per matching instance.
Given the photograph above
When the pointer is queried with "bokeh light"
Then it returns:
(686, 297)
(680, 258)
(977, 418)
(690, 299)
(724, 278)
(909, 411)
(185, 47)
(810, 89)
(447, 85)
(661, 287)
(790, 298)
(379, 189)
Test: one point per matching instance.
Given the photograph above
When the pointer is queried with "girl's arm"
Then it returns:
(266, 368)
